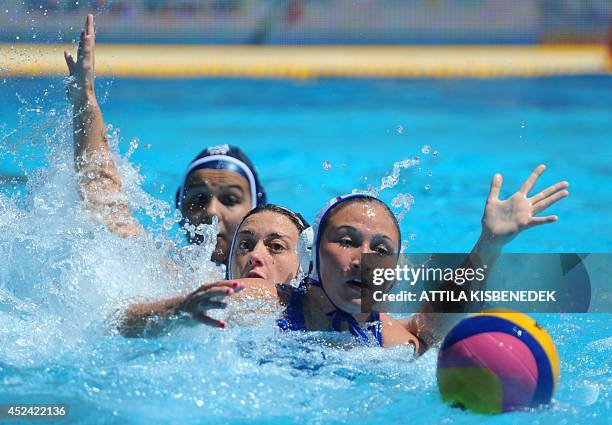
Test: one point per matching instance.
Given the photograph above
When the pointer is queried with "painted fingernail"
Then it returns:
(229, 291)
(234, 284)
(222, 324)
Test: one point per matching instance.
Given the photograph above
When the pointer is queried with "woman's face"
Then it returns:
(354, 229)
(221, 193)
(265, 247)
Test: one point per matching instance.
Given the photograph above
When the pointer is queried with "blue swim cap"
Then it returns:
(225, 157)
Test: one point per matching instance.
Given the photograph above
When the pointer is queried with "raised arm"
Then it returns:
(98, 179)
(502, 221)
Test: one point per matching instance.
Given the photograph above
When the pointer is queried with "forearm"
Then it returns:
(435, 318)
(89, 130)
(150, 319)
(99, 181)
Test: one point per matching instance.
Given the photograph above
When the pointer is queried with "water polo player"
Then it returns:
(330, 298)
(263, 254)
(221, 181)
(349, 226)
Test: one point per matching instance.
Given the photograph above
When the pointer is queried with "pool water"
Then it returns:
(63, 278)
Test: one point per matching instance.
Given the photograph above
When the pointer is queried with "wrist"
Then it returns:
(175, 306)
(86, 100)
(488, 242)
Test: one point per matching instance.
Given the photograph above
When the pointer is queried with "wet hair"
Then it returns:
(364, 200)
(296, 218)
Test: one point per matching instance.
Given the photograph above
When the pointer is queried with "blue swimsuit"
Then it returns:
(293, 317)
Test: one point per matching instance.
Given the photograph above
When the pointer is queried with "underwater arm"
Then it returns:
(502, 221)
(99, 182)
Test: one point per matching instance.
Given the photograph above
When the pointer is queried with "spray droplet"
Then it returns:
(426, 149)
(412, 236)
(427, 187)
(436, 154)
(522, 125)
(430, 174)
(400, 129)
(404, 247)
(327, 165)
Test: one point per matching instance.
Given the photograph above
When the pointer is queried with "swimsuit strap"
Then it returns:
(339, 316)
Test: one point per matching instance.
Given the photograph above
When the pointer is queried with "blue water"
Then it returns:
(64, 277)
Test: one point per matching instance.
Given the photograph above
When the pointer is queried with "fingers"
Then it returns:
(547, 202)
(81, 49)
(209, 321)
(528, 184)
(213, 305)
(227, 284)
(69, 61)
(89, 25)
(495, 187)
(210, 296)
(549, 191)
(536, 221)
(207, 296)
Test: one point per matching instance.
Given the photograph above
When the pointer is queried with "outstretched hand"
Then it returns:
(209, 297)
(81, 88)
(503, 220)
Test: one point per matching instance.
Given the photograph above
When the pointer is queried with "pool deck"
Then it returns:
(185, 61)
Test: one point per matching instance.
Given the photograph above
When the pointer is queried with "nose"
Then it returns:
(256, 256)
(355, 264)
(358, 253)
(213, 209)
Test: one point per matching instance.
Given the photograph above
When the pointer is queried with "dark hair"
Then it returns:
(364, 200)
(294, 217)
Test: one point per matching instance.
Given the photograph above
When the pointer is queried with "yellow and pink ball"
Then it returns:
(497, 361)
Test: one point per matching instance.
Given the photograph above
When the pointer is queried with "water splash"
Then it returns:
(63, 276)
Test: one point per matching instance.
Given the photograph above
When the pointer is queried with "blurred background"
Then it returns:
(315, 21)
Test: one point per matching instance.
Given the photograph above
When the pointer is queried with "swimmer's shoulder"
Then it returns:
(394, 333)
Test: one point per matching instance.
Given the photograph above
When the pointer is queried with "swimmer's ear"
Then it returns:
(304, 250)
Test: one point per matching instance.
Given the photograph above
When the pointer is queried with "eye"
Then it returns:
(245, 245)
(382, 250)
(276, 247)
(196, 201)
(345, 242)
(230, 199)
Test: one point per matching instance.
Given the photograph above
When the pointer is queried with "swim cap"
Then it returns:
(225, 157)
(296, 218)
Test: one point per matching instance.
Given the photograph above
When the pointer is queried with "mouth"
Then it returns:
(355, 284)
(254, 274)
